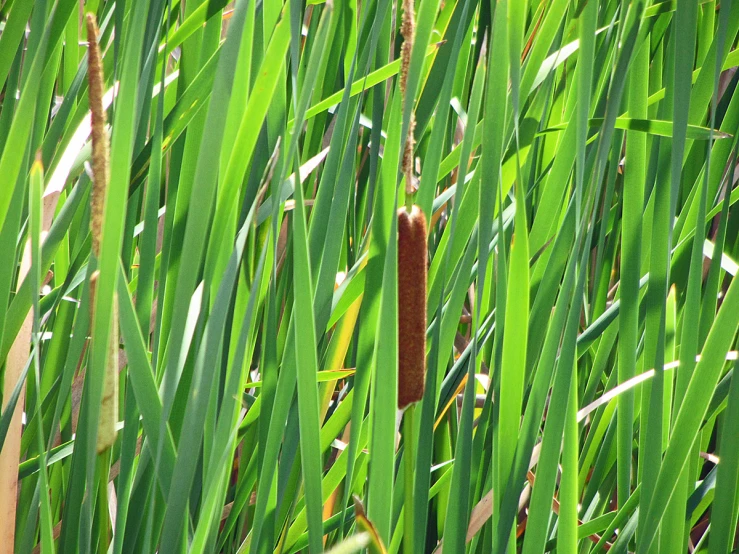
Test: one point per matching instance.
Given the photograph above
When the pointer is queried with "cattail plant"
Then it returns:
(100, 177)
(411, 305)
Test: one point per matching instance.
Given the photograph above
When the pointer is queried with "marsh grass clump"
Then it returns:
(221, 264)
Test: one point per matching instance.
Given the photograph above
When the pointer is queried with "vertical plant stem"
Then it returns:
(409, 455)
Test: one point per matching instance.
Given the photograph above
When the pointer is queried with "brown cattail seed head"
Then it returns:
(100, 146)
(411, 306)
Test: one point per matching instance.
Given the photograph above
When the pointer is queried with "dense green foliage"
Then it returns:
(576, 163)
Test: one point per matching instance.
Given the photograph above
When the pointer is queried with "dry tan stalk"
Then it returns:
(10, 454)
(16, 361)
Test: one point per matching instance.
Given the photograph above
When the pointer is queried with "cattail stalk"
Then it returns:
(100, 145)
(411, 306)
(100, 177)
(408, 31)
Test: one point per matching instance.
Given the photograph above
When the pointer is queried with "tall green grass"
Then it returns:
(576, 165)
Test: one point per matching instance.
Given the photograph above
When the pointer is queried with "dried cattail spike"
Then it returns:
(408, 31)
(411, 306)
(100, 145)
